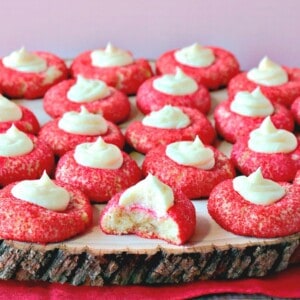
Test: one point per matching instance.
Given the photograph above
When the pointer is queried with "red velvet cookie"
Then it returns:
(232, 126)
(27, 222)
(297, 178)
(193, 181)
(144, 138)
(295, 109)
(125, 78)
(98, 184)
(275, 166)
(284, 94)
(232, 212)
(61, 141)
(213, 77)
(180, 219)
(27, 166)
(28, 122)
(115, 107)
(31, 85)
(149, 99)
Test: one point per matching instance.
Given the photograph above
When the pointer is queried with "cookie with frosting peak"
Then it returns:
(280, 84)
(113, 65)
(212, 67)
(26, 74)
(43, 211)
(255, 206)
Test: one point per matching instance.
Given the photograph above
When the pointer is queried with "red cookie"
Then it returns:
(295, 109)
(284, 94)
(149, 99)
(275, 166)
(144, 138)
(232, 212)
(98, 184)
(114, 108)
(61, 141)
(30, 85)
(194, 182)
(27, 222)
(232, 126)
(126, 78)
(213, 77)
(181, 219)
(297, 178)
(28, 123)
(27, 166)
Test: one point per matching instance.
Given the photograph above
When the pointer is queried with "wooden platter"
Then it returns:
(97, 259)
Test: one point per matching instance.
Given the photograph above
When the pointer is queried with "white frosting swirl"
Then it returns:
(9, 111)
(111, 57)
(268, 139)
(175, 84)
(191, 153)
(87, 90)
(15, 142)
(98, 155)
(195, 56)
(149, 193)
(168, 117)
(268, 73)
(253, 104)
(83, 122)
(24, 61)
(42, 192)
(258, 190)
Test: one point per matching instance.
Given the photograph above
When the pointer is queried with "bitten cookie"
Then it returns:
(190, 166)
(238, 117)
(74, 128)
(278, 83)
(29, 75)
(167, 125)
(95, 95)
(254, 206)
(114, 66)
(172, 89)
(23, 118)
(150, 209)
(210, 66)
(43, 211)
(23, 156)
(276, 151)
(98, 169)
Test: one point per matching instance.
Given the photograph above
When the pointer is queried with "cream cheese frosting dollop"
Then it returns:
(268, 73)
(111, 57)
(43, 192)
(195, 56)
(14, 142)
(9, 111)
(191, 153)
(98, 155)
(252, 104)
(149, 193)
(258, 190)
(83, 123)
(268, 139)
(24, 61)
(168, 117)
(177, 84)
(87, 90)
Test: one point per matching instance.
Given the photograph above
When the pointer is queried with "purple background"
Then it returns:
(249, 29)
